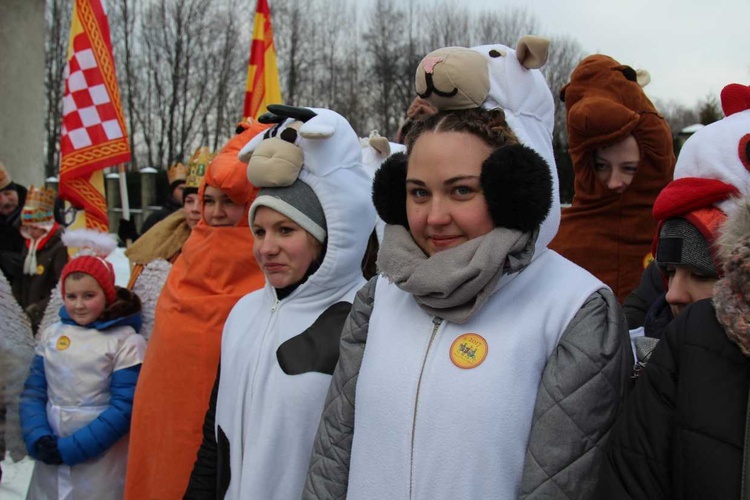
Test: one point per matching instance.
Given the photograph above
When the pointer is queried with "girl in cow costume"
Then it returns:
(311, 221)
(479, 364)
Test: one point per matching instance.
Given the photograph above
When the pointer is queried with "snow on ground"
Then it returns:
(16, 476)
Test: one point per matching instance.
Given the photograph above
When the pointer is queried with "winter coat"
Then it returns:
(33, 291)
(682, 432)
(11, 241)
(277, 356)
(522, 439)
(598, 384)
(171, 207)
(80, 390)
(637, 304)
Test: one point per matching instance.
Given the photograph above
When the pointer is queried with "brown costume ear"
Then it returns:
(532, 51)
(389, 190)
(381, 145)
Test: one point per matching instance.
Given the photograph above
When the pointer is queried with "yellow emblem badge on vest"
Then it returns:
(63, 343)
(39, 269)
(469, 350)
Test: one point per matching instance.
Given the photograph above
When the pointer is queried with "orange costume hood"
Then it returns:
(216, 268)
(607, 233)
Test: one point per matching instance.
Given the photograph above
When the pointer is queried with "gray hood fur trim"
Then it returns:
(732, 292)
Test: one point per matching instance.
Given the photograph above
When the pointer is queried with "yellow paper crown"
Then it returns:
(176, 172)
(197, 166)
(39, 207)
(4, 177)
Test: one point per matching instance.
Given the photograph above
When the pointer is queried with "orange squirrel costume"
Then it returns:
(216, 268)
(607, 233)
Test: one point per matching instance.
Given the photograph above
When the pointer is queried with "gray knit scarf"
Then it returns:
(456, 282)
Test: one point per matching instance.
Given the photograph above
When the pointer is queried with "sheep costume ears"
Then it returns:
(463, 81)
(516, 182)
(275, 158)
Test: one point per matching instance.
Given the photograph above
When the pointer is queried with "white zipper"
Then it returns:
(274, 308)
(436, 322)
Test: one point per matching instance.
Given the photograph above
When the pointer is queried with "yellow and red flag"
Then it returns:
(262, 74)
(93, 134)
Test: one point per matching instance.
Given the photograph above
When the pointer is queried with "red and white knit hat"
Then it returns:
(93, 247)
(712, 170)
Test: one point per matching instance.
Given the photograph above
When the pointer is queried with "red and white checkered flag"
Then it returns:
(93, 133)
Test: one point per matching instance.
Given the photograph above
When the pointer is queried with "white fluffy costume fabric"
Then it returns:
(273, 384)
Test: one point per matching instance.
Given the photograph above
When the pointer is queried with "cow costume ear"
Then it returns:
(517, 186)
(389, 190)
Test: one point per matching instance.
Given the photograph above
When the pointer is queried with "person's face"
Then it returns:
(8, 201)
(35, 232)
(686, 286)
(445, 205)
(282, 248)
(219, 210)
(84, 299)
(192, 208)
(617, 164)
(178, 191)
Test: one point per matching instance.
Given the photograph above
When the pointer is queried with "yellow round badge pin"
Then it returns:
(40, 269)
(469, 350)
(63, 343)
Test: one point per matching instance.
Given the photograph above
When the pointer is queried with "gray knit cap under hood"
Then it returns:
(298, 202)
(681, 243)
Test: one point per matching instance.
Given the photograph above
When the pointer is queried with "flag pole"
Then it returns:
(124, 193)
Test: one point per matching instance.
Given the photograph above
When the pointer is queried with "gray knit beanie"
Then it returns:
(681, 243)
(298, 202)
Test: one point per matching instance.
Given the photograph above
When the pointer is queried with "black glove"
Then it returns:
(126, 230)
(47, 451)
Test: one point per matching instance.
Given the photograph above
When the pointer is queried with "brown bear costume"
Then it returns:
(607, 233)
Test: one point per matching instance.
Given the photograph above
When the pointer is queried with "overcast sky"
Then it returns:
(691, 48)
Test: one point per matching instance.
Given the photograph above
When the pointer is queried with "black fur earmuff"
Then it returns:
(517, 185)
(389, 190)
(516, 182)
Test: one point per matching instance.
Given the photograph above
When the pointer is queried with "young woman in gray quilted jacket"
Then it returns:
(478, 364)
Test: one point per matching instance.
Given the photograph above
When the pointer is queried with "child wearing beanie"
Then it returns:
(683, 429)
(78, 398)
(311, 222)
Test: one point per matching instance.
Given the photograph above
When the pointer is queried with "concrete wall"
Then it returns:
(22, 89)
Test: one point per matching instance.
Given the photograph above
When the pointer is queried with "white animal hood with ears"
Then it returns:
(510, 80)
(530, 111)
(332, 166)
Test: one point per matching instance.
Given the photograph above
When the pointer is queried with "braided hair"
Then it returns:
(488, 125)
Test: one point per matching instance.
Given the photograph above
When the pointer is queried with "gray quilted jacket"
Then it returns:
(580, 395)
